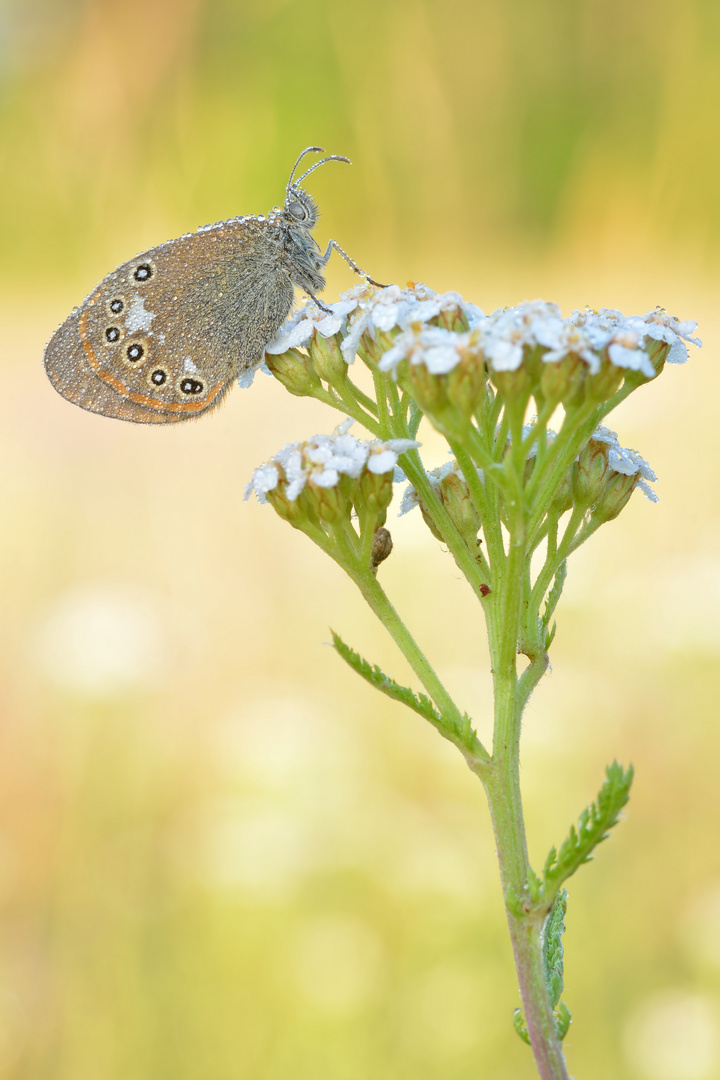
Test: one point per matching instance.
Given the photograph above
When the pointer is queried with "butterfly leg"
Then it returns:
(351, 262)
(318, 302)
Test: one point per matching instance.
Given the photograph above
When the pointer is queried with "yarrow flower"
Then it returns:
(627, 462)
(504, 338)
(440, 330)
(663, 327)
(391, 307)
(302, 324)
(512, 505)
(440, 350)
(322, 460)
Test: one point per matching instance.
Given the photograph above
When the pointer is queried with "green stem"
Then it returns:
(411, 465)
(349, 406)
(456, 727)
(347, 391)
(546, 477)
(502, 786)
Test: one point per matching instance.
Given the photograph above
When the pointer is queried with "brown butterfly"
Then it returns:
(164, 336)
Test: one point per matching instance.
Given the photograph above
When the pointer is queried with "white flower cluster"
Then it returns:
(375, 309)
(628, 462)
(323, 459)
(504, 336)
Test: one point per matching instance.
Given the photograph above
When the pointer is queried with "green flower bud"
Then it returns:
(564, 499)
(657, 353)
(465, 384)
(562, 380)
(295, 371)
(590, 477)
(452, 318)
(331, 504)
(605, 383)
(430, 523)
(615, 497)
(512, 384)
(374, 492)
(327, 358)
(427, 390)
(455, 497)
(293, 511)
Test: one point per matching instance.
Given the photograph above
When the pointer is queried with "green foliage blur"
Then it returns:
(220, 855)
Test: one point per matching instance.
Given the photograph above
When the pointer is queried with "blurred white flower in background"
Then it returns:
(251, 847)
(103, 640)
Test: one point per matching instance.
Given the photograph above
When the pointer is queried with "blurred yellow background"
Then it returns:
(221, 854)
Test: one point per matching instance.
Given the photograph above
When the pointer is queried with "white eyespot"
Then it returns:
(190, 387)
(143, 271)
(136, 353)
(112, 334)
(158, 377)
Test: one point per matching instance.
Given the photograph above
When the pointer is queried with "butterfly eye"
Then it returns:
(297, 210)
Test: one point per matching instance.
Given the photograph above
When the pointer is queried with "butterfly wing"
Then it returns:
(162, 338)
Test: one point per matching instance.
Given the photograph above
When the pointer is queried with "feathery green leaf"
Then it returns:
(593, 827)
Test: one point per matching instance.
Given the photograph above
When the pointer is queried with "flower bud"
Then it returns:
(465, 384)
(605, 383)
(331, 503)
(295, 371)
(455, 497)
(374, 494)
(561, 380)
(452, 318)
(657, 353)
(427, 390)
(615, 497)
(327, 358)
(590, 477)
(293, 511)
(513, 384)
(563, 499)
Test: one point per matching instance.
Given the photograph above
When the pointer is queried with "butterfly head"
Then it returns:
(300, 207)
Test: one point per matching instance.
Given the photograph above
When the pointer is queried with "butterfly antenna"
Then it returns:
(333, 157)
(307, 150)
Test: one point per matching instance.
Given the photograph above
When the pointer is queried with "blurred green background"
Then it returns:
(221, 855)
